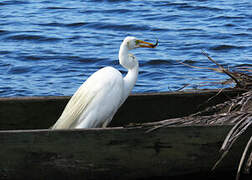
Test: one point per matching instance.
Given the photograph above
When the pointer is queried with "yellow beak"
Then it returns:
(147, 44)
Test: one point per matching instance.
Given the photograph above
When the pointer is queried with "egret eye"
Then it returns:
(137, 42)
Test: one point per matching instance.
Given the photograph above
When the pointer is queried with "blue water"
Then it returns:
(51, 47)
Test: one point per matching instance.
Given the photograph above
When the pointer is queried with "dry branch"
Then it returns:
(242, 80)
(238, 110)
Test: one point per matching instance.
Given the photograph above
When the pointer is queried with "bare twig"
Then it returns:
(197, 67)
(243, 157)
(222, 69)
(248, 165)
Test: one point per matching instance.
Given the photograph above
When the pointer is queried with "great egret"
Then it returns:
(99, 97)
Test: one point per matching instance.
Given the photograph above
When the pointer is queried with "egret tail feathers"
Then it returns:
(74, 109)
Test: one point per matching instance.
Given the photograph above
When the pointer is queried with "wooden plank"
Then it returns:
(115, 153)
(42, 112)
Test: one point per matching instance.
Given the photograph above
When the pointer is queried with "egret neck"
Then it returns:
(129, 62)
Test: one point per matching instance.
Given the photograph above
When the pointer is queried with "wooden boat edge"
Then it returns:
(22, 112)
(125, 153)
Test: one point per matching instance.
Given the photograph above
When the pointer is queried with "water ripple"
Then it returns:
(225, 47)
(57, 7)
(3, 32)
(158, 62)
(28, 37)
(117, 27)
(19, 70)
(13, 2)
(70, 25)
(51, 47)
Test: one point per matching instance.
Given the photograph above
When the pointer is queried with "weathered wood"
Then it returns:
(115, 153)
(42, 112)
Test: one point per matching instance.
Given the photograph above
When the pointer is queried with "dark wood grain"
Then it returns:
(28, 150)
(114, 153)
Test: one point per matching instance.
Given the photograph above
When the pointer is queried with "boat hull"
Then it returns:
(125, 150)
(116, 153)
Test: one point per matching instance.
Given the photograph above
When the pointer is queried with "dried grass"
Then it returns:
(236, 111)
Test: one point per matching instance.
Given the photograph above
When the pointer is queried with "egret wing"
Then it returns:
(74, 108)
(96, 86)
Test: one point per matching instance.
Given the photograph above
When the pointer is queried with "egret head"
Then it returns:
(133, 43)
(127, 60)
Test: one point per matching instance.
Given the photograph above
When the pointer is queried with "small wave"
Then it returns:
(27, 37)
(117, 11)
(164, 3)
(19, 70)
(33, 58)
(111, 1)
(54, 56)
(241, 34)
(159, 29)
(13, 3)
(198, 8)
(203, 8)
(6, 91)
(75, 37)
(52, 24)
(229, 25)
(225, 47)
(117, 27)
(225, 18)
(184, 5)
(56, 24)
(190, 29)
(166, 18)
(89, 60)
(78, 24)
(57, 7)
(2, 32)
(4, 52)
(158, 62)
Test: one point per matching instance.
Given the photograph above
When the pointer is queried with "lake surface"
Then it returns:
(51, 47)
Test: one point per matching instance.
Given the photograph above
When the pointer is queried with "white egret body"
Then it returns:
(99, 97)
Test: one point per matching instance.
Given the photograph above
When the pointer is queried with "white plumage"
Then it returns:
(99, 97)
